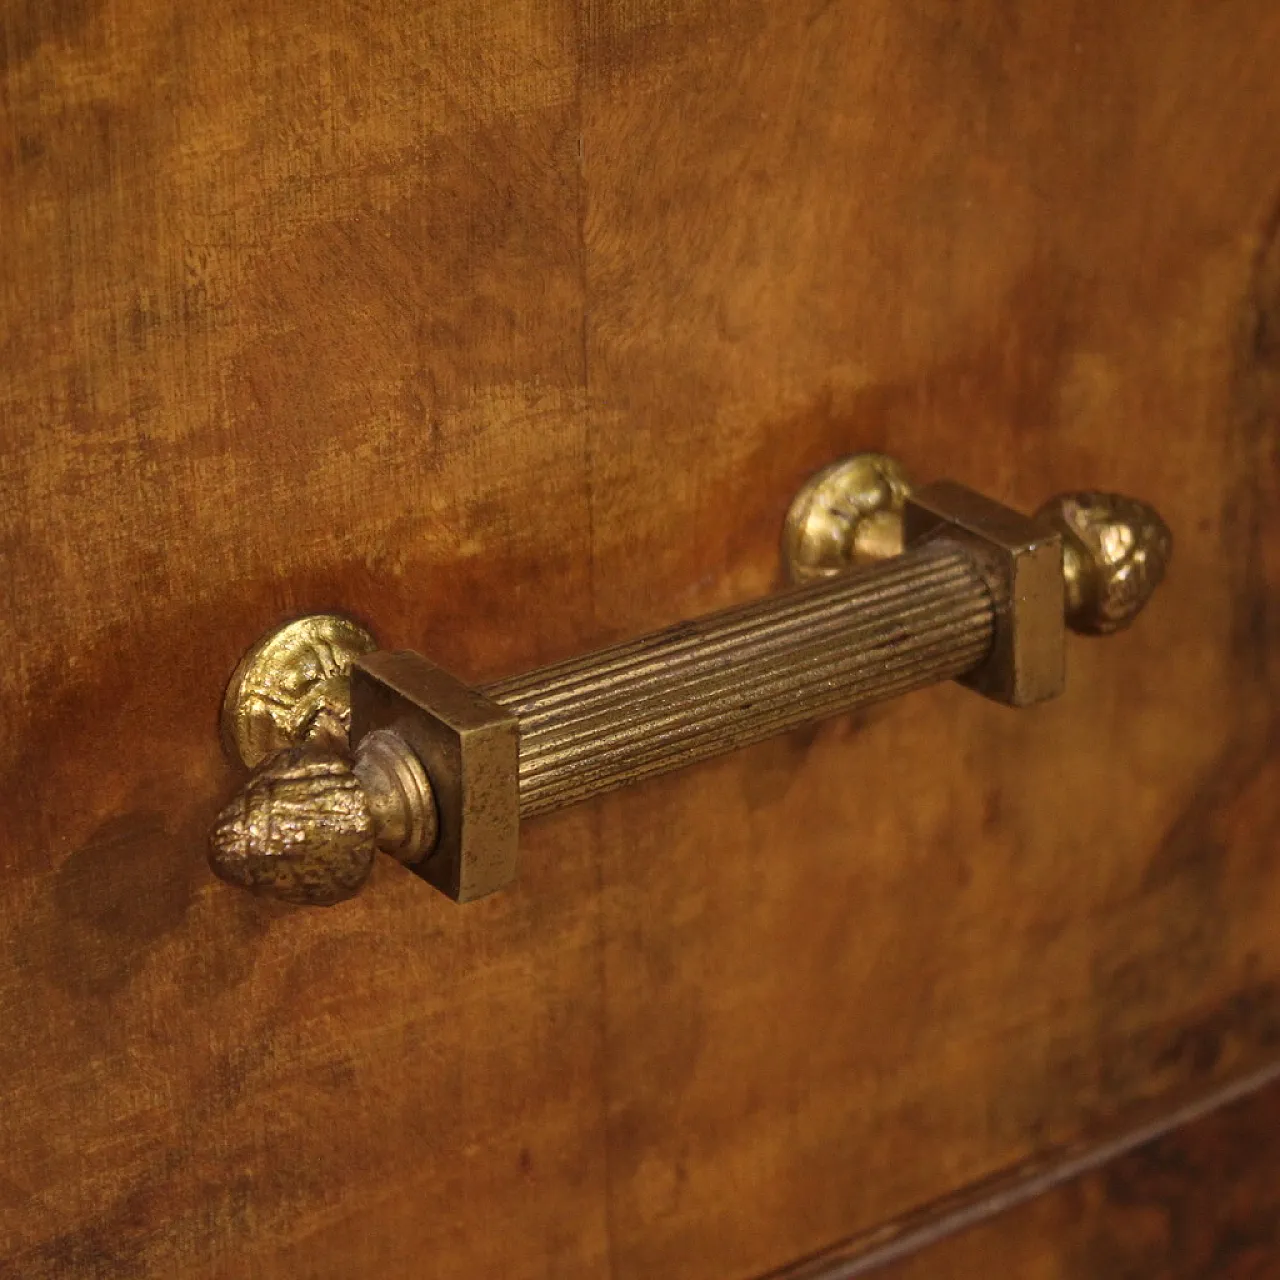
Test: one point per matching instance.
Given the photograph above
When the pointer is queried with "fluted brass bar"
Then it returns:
(359, 749)
(703, 688)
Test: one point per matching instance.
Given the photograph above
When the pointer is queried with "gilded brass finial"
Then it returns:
(1115, 551)
(300, 830)
(307, 824)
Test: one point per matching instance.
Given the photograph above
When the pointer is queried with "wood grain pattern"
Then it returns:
(1199, 1201)
(510, 328)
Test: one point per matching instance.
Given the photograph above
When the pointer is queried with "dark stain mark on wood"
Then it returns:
(126, 887)
(27, 24)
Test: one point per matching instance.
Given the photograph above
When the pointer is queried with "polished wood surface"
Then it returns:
(511, 328)
(1195, 1201)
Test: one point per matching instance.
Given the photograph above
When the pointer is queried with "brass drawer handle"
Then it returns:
(359, 750)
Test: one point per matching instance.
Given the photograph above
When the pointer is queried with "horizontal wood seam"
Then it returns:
(921, 1229)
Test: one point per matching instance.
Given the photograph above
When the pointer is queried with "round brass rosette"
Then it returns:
(292, 683)
(847, 514)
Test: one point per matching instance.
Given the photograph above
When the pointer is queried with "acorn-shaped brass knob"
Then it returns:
(1115, 551)
(301, 830)
(305, 827)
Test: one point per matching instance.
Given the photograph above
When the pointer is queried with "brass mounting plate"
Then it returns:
(469, 746)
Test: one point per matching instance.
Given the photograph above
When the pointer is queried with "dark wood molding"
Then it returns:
(973, 1206)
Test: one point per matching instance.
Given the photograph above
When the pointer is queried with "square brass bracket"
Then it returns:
(1021, 562)
(469, 747)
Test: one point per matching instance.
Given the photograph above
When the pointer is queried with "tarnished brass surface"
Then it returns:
(400, 796)
(292, 683)
(287, 709)
(1021, 561)
(443, 773)
(300, 830)
(468, 745)
(1115, 553)
(849, 513)
(702, 688)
